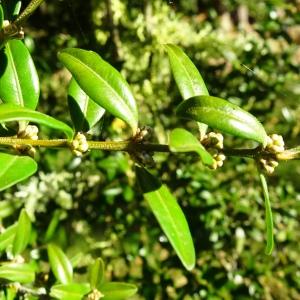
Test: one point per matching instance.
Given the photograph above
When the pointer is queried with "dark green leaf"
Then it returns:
(269, 218)
(117, 290)
(102, 83)
(169, 215)
(96, 274)
(60, 264)
(224, 116)
(7, 237)
(22, 234)
(182, 140)
(15, 272)
(71, 291)
(15, 169)
(11, 112)
(85, 113)
(19, 83)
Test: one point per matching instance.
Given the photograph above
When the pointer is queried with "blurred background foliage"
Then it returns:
(249, 53)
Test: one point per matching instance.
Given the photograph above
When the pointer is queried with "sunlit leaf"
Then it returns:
(224, 116)
(117, 290)
(19, 82)
(268, 217)
(102, 83)
(96, 274)
(182, 140)
(71, 291)
(60, 264)
(169, 215)
(11, 112)
(14, 169)
(7, 237)
(15, 272)
(85, 113)
(22, 234)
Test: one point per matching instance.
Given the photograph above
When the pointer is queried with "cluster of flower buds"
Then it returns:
(143, 134)
(143, 158)
(213, 140)
(275, 145)
(31, 133)
(11, 30)
(79, 144)
(94, 295)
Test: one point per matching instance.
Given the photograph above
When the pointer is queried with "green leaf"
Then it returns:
(71, 291)
(19, 83)
(22, 234)
(11, 112)
(102, 83)
(15, 272)
(182, 140)
(169, 215)
(1, 16)
(96, 274)
(15, 169)
(117, 290)
(269, 218)
(11, 8)
(224, 116)
(60, 264)
(7, 237)
(85, 113)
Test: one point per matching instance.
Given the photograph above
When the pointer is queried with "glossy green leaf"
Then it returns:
(60, 264)
(224, 116)
(71, 291)
(15, 169)
(19, 83)
(169, 215)
(85, 113)
(188, 79)
(268, 217)
(117, 290)
(1, 16)
(10, 112)
(102, 83)
(182, 140)
(96, 274)
(7, 237)
(22, 234)
(15, 272)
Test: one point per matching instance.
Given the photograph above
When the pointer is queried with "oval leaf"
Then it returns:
(22, 273)
(11, 112)
(19, 82)
(7, 237)
(96, 274)
(22, 234)
(15, 169)
(85, 113)
(60, 264)
(72, 291)
(182, 140)
(169, 215)
(269, 217)
(117, 290)
(224, 116)
(102, 83)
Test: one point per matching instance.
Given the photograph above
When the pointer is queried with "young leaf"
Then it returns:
(117, 290)
(102, 83)
(15, 272)
(224, 116)
(269, 218)
(1, 17)
(169, 215)
(15, 169)
(71, 291)
(85, 113)
(60, 264)
(19, 82)
(10, 112)
(22, 234)
(182, 140)
(7, 237)
(96, 274)
(11, 8)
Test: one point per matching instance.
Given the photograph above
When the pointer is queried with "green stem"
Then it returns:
(27, 12)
